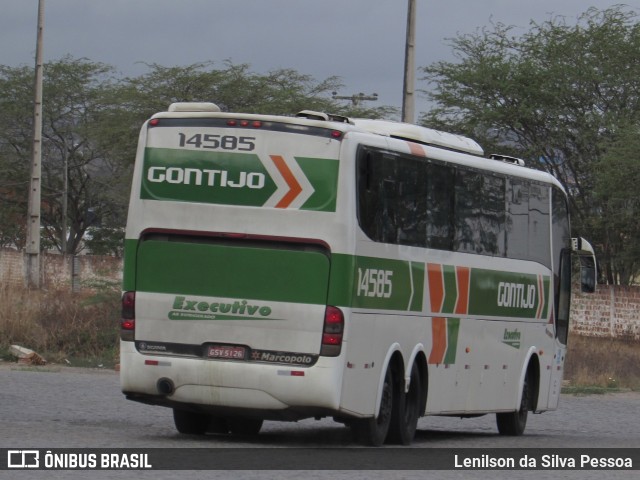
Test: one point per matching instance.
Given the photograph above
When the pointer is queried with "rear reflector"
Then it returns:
(291, 373)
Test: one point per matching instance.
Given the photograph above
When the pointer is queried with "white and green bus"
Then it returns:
(375, 272)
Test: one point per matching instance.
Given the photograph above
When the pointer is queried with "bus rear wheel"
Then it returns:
(514, 423)
(244, 426)
(404, 418)
(190, 423)
(373, 431)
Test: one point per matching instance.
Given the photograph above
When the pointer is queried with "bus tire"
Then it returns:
(190, 423)
(514, 423)
(244, 426)
(218, 425)
(406, 411)
(373, 431)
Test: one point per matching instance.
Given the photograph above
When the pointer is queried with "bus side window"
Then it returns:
(440, 206)
(480, 213)
(367, 196)
(539, 250)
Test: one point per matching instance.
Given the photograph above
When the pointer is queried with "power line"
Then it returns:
(356, 98)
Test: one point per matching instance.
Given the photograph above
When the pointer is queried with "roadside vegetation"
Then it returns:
(600, 365)
(81, 329)
(76, 329)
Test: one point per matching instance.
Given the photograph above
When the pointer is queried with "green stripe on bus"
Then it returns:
(311, 277)
(229, 178)
(507, 294)
(323, 175)
(376, 283)
(453, 329)
(450, 289)
(233, 272)
(417, 275)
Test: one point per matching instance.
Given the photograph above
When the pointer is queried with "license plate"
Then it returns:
(227, 352)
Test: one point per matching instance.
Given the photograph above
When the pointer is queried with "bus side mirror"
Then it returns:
(587, 274)
(588, 268)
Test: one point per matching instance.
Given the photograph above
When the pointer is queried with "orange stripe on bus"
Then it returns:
(294, 187)
(436, 286)
(416, 149)
(439, 333)
(462, 279)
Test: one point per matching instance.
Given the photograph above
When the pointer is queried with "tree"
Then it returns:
(235, 88)
(91, 121)
(617, 192)
(559, 96)
(73, 148)
(15, 148)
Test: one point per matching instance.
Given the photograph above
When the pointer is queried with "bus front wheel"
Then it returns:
(514, 423)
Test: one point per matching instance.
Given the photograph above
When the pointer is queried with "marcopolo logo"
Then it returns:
(188, 309)
(287, 358)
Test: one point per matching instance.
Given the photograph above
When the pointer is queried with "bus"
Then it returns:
(374, 272)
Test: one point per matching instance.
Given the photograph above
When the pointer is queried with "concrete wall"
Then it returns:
(60, 271)
(613, 311)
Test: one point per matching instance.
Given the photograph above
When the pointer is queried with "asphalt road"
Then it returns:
(59, 407)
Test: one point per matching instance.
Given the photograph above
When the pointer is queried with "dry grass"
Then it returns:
(603, 362)
(60, 324)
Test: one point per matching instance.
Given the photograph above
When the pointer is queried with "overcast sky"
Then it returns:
(361, 41)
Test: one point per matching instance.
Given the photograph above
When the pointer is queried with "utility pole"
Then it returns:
(33, 216)
(65, 200)
(356, 98)
(408, 89)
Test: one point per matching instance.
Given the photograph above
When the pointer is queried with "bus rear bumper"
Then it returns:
(231, 388)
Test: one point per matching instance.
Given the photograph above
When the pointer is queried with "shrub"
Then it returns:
(59, 324)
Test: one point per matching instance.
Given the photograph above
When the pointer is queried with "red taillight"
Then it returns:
(332, 332)
(331, 339)
(128, 324)
(129, 305)
(244, 123)
(128, 320)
